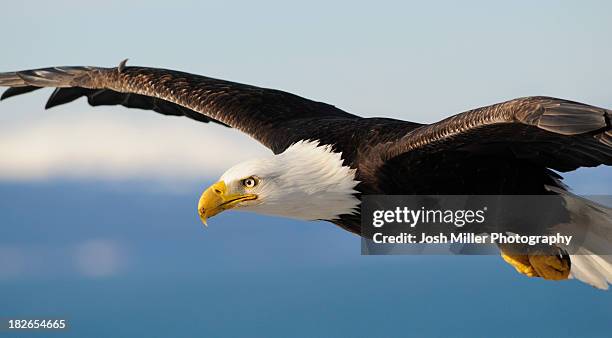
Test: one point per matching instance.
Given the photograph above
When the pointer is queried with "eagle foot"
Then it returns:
(551, 267)
(521, 264)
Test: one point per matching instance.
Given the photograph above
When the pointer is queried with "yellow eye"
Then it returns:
(250, 182)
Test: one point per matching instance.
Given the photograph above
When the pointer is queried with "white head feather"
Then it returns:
(307, 181)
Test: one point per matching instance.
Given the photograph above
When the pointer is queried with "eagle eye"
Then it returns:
(250, 182)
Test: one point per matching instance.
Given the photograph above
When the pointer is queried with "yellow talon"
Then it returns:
(552, 267)
(521, 264)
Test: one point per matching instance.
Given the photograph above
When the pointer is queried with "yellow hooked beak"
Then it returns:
(216, 199)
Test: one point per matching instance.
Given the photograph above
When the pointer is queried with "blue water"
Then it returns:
(253, 276)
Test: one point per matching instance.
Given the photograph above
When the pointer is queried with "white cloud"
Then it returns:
(93, 258)
(99, 258)
(119, 145)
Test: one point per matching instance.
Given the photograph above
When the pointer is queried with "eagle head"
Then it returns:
(307, 181)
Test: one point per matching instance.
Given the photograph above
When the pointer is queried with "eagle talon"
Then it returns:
(550, 267)
(521, 263)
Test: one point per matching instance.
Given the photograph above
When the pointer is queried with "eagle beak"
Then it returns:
(216, 199)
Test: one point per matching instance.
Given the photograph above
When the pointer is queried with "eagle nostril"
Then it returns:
(217, 191)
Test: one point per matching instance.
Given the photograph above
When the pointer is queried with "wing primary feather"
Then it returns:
(14, 91)
(65, 95)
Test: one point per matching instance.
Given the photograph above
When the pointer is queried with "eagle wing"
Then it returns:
(554, 133)
(264, 114)
(523, 139)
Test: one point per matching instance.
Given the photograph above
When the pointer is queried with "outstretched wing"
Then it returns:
(554, 133)
(267, 115)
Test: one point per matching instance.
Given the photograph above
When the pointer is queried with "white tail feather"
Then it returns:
(593, 222)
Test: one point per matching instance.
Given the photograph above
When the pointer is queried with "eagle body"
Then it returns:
(324, 160)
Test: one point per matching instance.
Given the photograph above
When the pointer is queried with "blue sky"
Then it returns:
(100, 229)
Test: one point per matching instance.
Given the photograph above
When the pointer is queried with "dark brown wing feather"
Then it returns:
(259, 112)
(558, 134)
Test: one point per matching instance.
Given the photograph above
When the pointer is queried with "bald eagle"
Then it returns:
(325, 159)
